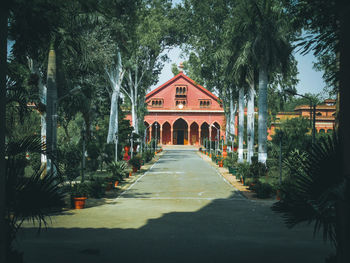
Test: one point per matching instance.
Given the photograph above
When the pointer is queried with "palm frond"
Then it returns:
(316, 185)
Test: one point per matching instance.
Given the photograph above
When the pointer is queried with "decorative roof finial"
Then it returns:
(181, 66)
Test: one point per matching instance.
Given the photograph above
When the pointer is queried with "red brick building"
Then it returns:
(183, 112)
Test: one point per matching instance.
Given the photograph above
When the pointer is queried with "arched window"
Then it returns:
(319, 114)
(322, 131)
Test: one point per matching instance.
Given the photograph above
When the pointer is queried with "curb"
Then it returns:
(223, 171)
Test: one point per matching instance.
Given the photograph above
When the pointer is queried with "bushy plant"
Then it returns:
(80, 190)
(118, 170)
(135, 161)
(257, 169)
(231, 160)
(262, 190)
(147, 155)
(97, 187)
(213, 157)
(69, 156)
(243, 169)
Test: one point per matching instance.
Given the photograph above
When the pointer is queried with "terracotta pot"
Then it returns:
(134, 169)
(225, 147)
(79, 202)
(235, 149)
(278, 195)
(116, 184)
(221, 164)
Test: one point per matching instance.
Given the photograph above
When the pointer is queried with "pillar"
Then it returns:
(171, 135)
(189, 135)
(151, 130)
(161, 135)
(199, 135)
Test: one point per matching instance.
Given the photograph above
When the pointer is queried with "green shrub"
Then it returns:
(80, 190)
(231, 160)
(135, 161)
(257, 169)
(97, 187)
(118, 170)
(263, 190)
(243, 169)
(147, 155)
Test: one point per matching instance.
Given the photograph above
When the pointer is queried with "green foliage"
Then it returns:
(243, 169)
(69, 156)
(147, 155)
(31, 197)
(97, 187)
(312, 195)
(257, 169)
(231, 160)
(263, 190)
(80, 190)
(135, 161)
(118, 170)
(294, 135)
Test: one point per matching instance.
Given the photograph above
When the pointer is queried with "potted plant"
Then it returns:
(219, 161)
(79, 194)
(118, 170)
(135, 162)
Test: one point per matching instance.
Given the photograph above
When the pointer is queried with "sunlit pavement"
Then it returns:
(181, 210)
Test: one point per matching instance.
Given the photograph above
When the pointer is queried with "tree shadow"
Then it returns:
(224, 230)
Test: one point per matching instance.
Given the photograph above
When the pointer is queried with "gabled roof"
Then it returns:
(181, 75)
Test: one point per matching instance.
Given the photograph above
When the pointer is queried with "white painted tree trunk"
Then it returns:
(262, 123)
(115, 76)
(250, 122)
(240, 124)
(233, 110)
(113, 118)
(227, 131)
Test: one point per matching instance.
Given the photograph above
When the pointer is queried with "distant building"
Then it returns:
(183, 112)
(325, 116)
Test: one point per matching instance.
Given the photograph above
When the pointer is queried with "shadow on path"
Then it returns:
(225, 230)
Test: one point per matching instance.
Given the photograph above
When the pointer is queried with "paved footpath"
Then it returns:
(181, 210)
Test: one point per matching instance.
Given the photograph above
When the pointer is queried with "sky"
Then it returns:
(310, 81)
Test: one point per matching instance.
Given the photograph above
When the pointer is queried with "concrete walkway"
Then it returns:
(181, 210)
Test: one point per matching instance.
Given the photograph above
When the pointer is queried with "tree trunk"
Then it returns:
(51, 110)
(250, 122)
(240, 124)
(342, 208)
(233, 110)
(112, 118)
(4, 11)
(227, 131)
(262, 123)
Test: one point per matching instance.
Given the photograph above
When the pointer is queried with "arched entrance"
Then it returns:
(180, 132)
(155, 131)
(166, 132)
(204, 132)
(194, 133)
(215, 131)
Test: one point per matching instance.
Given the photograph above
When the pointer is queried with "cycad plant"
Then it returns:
(317, 190)
(28, 197)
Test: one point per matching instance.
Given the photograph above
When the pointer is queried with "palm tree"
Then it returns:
(310, 196)
(250, 122)
(269, 38)
(240, 124)
(28, 198)
(51, 109)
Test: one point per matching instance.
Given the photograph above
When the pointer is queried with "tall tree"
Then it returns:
(115, 76)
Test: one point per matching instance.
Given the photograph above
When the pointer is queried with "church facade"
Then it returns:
(182, 112)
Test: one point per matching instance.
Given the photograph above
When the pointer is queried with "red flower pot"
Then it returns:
(116, 184)
(79, 202)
